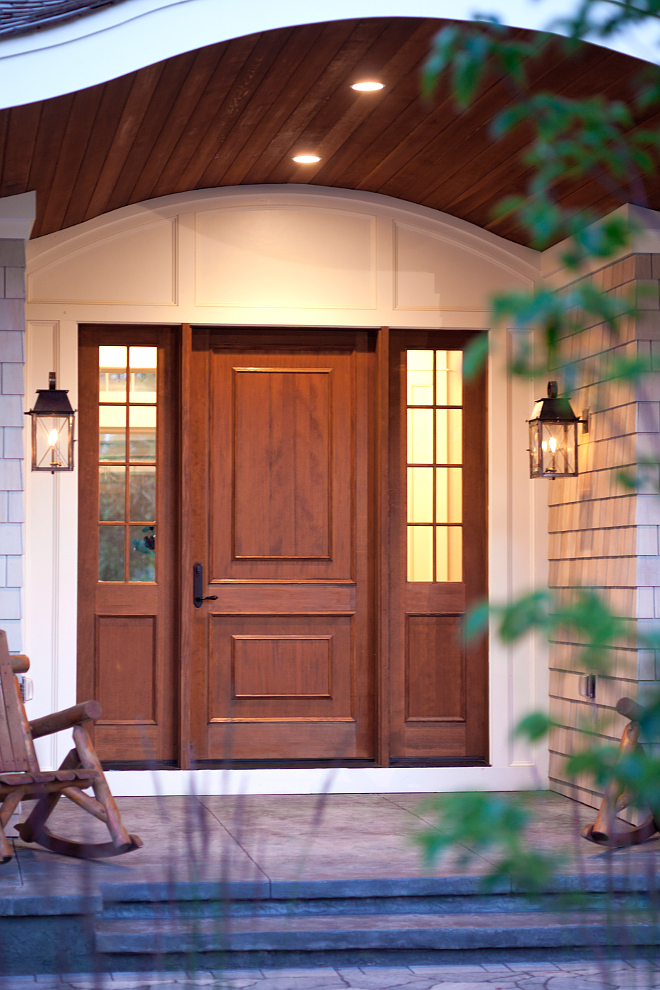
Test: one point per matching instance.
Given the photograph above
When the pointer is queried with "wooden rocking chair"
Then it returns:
(604, 831)
(21, 779)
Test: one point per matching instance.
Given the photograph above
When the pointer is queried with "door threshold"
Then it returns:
(287, 764)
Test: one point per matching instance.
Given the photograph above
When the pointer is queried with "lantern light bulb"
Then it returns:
(553, 445)
(52, 438)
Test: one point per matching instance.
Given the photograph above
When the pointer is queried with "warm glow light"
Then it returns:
(367, 87)
(553, 445)
(306, 159)
(52, 438)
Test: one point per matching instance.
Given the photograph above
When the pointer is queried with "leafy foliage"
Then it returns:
(566, 141)
(570, 139)
(471, 824)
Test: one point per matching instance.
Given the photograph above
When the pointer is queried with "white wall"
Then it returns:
(252, 255)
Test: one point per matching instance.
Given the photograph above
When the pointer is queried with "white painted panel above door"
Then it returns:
(132, 267)
(437, 273)
(293, 258)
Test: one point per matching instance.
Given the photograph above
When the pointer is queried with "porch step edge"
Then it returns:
(331, 932)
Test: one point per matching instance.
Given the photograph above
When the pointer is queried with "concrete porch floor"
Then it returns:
(259, 841)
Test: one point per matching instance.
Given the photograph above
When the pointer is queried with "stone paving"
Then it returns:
(577, 975)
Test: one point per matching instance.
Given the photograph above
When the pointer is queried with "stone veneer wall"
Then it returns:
(602, 535)
(12, 357)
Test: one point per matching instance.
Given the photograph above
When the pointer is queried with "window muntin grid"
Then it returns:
(434, 462)
(127, 463)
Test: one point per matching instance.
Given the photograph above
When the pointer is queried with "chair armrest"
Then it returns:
(629, 709)
(20, 664)
(85, 712)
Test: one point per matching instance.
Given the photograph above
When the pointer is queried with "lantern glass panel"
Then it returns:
(52, 443)
(534, 449)
(558, 449)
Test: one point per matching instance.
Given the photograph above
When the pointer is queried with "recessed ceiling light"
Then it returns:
(367, 86)
(306, 159)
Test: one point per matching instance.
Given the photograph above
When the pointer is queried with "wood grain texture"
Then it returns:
(235, 113)
(282, 661)
(438, 685)
(127, 631)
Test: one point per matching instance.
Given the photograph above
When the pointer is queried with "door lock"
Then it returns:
(198, 587)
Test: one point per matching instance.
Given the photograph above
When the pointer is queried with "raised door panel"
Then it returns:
(287, 485)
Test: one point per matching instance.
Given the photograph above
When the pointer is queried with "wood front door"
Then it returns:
(278, 505)
(322, 494)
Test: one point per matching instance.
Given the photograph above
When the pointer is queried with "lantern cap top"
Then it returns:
(52, 401)
(553, 409)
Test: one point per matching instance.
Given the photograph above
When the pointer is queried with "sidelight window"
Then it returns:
(127, 463)
(434, 465)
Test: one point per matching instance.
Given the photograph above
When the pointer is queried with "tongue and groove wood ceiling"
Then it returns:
(235, 113)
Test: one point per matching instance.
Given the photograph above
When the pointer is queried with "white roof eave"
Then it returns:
(115, 40)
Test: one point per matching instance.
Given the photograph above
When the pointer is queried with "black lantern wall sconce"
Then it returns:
(52, 429)
(553, 438)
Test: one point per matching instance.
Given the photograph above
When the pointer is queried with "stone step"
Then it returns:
(327, 933)
(416, 896)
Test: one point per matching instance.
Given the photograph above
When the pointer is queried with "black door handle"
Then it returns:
(198, 587)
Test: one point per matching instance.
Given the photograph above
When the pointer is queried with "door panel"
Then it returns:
(282, 661)
(127, 654)
(438, 683)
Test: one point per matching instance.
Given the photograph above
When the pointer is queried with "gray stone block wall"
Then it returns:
(603, 535)
(12, 359)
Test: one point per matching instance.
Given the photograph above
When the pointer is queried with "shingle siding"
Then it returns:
(12, 356)
(603, 535)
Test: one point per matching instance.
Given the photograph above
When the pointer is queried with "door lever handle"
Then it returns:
(198, 587)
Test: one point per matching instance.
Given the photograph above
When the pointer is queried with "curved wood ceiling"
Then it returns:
(236, 113)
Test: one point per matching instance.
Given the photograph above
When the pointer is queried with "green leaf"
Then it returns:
(534, 726)
(475, 356)
(476, 621)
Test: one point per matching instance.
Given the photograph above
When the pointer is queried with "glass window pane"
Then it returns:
(420, 553)
(142, 553)
(449, 553)
(112, 433)
(449, 495)
(420, 495)
(112, 374)
(111, 553)
(449, 436)
(143, 362)
(420, 378)
(142, 494)
(420, 436)
(112, 493)
(449, 378)
(142, 421)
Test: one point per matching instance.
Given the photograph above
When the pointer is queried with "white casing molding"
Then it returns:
(246, 256)
(17, 216)
(113, 41)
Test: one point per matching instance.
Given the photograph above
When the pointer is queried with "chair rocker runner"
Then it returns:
(21, 779)
(604, 831)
